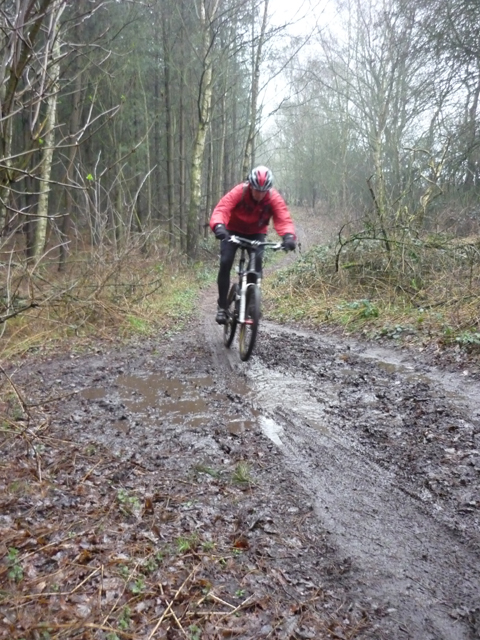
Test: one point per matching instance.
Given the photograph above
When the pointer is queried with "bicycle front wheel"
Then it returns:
(231, 324)
(249, 328)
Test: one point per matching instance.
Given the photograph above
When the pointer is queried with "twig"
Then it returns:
(39, 463)
(25, 405)
(53, 399)
(223, 614)
(120, 595)
(16, 391)
(214, 597)
(88, 625)
(83, 581)
(170, 604)
(240, 606)
(32, 305)
(55, 594)
(173, 614)
(90, 471)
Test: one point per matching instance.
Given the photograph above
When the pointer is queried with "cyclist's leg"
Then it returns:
(227, 256)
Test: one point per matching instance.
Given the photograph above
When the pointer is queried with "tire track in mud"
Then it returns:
(407, 561)
(419, 570)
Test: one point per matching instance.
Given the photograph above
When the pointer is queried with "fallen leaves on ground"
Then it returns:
(96, 547)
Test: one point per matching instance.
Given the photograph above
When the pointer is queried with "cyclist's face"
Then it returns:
(257, 195)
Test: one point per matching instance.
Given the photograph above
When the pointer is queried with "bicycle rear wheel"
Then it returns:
(248, 329)
(231, 324)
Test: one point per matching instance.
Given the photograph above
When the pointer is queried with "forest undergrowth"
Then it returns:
(100, 297)
(418, 292)
(425, 292)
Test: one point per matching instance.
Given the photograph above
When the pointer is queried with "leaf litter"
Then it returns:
(143, 533)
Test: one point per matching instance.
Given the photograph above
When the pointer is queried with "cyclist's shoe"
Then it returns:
(221, 317)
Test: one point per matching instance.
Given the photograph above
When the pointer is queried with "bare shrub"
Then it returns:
(99, 288)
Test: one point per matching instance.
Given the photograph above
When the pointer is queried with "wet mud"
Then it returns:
(366, 461)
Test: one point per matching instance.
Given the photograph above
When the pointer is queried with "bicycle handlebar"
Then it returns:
(276, 246)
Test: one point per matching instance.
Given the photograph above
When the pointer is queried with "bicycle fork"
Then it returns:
(243, 299)
(244, 286)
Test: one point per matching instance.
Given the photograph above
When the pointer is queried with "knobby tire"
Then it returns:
(248, 329)
(231, 325)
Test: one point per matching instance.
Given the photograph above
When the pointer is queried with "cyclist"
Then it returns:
(245, 211)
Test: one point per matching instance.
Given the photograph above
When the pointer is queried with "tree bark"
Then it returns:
(204, 115)
(50, 124)
(167, 62)
(18, 49)
(249, 156)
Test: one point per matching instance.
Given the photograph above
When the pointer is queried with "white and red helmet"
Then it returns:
(261, 178)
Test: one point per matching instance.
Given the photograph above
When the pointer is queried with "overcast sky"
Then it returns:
(301, 18)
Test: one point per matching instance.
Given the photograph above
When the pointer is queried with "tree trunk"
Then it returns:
(72, 152)
(204, 115)
(5, 186)
(472, 125)
(169, 128)
(148, 197)
(157, 132)
(249, 156)
(17, 50)
(182, 159)
(196, 186)
(208, 199)
(49, 141)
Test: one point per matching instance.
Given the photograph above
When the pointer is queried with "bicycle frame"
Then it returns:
(249, 277)
(244, 297)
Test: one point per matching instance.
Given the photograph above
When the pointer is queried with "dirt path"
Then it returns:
(390, 459)
(387, 448)
(360, 515)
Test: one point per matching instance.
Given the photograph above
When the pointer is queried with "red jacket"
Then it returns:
(240, 213)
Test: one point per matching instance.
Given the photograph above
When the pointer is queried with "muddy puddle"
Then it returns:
(156, 399)
(456, 386)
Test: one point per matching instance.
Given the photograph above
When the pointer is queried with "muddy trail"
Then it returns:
(326, 489)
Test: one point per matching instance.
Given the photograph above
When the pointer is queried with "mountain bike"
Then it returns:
(244, 297)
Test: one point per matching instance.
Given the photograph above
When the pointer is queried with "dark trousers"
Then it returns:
(227, 256)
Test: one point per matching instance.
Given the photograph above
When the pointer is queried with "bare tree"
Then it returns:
(23, 88)
(256, 60)
(52, 62)
(207, 14)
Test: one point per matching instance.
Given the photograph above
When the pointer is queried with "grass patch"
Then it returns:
(242, 474)
(429, 294)
(99, 297)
